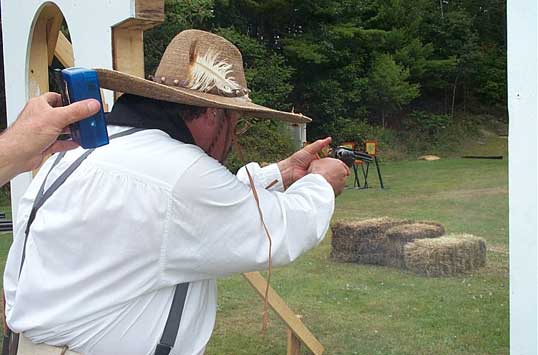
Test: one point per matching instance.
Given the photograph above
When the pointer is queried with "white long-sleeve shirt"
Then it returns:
(139, 216)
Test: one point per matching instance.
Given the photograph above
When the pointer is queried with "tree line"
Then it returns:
(389, 63)
(358, 66)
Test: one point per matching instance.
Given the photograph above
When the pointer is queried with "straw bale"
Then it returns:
(399, 236)
(445, 256)
(429, 157)
(362, 241)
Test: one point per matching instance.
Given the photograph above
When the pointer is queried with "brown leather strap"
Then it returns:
(265, 319)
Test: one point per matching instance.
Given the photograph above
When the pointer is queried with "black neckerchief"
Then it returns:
(141, 112)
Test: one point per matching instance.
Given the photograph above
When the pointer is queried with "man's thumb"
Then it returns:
(318, 145)
(75, 112)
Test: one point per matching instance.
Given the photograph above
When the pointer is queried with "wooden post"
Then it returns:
(64, 51)
(294, 343)
(128, 50)
(54, 23)
(300, 331)
(128, 37)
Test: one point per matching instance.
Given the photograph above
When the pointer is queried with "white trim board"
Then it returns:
(522, 35)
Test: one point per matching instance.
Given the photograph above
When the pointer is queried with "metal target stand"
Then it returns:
(363, 158)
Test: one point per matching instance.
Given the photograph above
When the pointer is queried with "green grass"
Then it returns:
(358, 309)
(5, 238)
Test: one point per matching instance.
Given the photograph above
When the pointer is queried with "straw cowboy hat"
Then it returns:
(200, 69)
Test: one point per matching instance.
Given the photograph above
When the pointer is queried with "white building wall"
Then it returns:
(523, 175)
(90, 26)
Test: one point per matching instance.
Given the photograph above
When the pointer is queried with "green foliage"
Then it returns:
(359, 131)
(305, 52)
(414, 55)
(180, 15)
(489, 76)
(267, 75)
(266, 142)
(5, 194)
(428, 124)
(388, 87)
(341, 61)
(427, 133)
(438, 73)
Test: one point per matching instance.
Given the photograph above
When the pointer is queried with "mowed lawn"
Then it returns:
(359, 309)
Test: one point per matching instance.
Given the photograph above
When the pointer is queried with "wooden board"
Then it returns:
(294, 343)
(148, 14)
(64, 51)
(128, 50)
(128, 37)
(54, 17)
(257, 281)
(38, 74)
(150, 10)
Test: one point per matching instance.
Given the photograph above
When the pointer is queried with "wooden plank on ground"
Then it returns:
(257, 281)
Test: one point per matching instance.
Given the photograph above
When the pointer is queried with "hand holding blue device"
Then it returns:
(78, 84)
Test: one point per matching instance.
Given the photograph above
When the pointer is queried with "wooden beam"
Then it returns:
(148, 14)
(38, 75)
(294, 343)
(64, 51)
(257, 281)
(150, 10)
(128, 50)
(54, 23)
(38, 70)
(128, 37)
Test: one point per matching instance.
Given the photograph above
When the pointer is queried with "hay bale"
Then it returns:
(399, 236)
(363, 241)
(445, 256)
(429, 157)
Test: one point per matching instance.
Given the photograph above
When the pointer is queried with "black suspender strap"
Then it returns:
(171, 327)
(35, 208)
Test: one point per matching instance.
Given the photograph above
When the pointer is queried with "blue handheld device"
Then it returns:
(78, 84)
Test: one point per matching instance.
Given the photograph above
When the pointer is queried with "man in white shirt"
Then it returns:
(156, 208)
